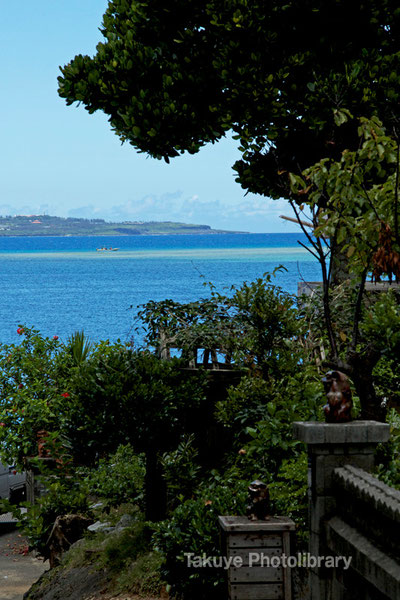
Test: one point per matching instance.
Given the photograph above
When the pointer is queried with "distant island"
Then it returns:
(33, 225)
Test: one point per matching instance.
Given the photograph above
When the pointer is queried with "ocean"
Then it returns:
(63, 284)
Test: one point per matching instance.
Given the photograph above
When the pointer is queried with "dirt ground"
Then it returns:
(125, 597)
(18, 568)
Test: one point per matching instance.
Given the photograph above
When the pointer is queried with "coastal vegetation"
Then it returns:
(354, 201)
(278, 76)
(114, 430)
(125, 426)
(39, 225)
(310, 90)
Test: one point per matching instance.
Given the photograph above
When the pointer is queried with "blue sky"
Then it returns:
(62, 161)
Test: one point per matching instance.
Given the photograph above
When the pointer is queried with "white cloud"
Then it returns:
(251, 213)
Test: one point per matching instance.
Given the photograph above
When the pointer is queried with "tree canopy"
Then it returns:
(309, 88)
(175, 76)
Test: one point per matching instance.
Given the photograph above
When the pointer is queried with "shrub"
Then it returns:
(261, 412)
(193, 527)
(118, 478)
(34, 389)
(124, 546)
(122, 396)
(92, 400)
(63, 496)
(181, 470)
(387, 381)
(115, 481)
(388, 457)
(281, 387)
(289, 494)
(256, 326)
(141, 576)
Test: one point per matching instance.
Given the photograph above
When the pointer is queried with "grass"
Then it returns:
(131, 564)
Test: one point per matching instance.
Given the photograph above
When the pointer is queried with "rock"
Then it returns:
(106, 527)
(99, 526)
(125, 521)
(97, 505)
(77, 544)
(74, 584)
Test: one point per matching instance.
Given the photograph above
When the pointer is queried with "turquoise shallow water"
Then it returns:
(60, 285)
(215, 254)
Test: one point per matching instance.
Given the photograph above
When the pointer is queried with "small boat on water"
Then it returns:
(104, 249)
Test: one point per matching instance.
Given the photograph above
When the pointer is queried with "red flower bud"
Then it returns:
(20, 330)
(65, 395)
(55, 337)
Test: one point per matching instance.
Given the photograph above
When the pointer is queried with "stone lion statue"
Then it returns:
(338, 394)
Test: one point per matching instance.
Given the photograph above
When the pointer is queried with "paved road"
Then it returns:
(18, 568)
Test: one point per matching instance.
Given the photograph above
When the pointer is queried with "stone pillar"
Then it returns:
(332, 445)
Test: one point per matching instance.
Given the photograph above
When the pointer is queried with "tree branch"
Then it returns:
(309, 250)
(357, 310)
(316, 244)
(371, 203)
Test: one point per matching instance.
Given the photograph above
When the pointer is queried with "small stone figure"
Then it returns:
(338, 393)
(258, 508)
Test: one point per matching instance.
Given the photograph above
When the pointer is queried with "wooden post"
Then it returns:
(256, 549)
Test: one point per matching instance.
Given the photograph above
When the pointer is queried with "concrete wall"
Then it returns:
(352, 514)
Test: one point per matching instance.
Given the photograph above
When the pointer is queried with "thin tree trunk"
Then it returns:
(155, 489)
(371, 409)
(362, 367)
(339, 271)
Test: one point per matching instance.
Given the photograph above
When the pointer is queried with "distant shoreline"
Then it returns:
(69, 235)
(48, 226)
